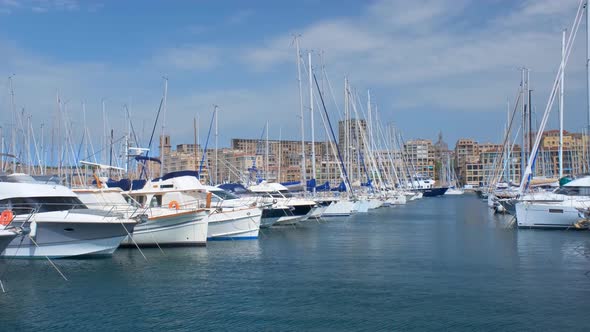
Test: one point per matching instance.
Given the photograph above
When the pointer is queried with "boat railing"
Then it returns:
(15, 211)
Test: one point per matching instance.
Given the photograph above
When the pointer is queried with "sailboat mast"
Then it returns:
(301, 115)
(216, 112)
(345, 125)
(522, 148)
(311, 118)
(561, 89)
(266, 151)
(1, 150)
(280, 153)
(370, 123)
(164, 102)
(13, 133)
(195, 142)
(28, 145)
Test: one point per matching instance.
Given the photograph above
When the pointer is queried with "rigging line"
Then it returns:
(48, 259)
(205, 147)
(526, 174)
(333, 135)
(152, 137)
(132, 128)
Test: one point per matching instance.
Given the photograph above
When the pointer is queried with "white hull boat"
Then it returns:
(6, 236)
(397, 200)
(234, 224)
(68, 234)
(454, 191)
(340, 208)
(56, 223)
(362, 206)
(318, 211)
(179, 228)
(549, 215)
(375, 203)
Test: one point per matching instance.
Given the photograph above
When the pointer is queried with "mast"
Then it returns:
(522, 148)
(216, 112)
(58, 138)
(280, 153)
(164, 102)
(13, 148)
(561, 90)
(195, 141)
(28, 145)
(311, 118)
(505, 147)
(369, 120)
(530, 116)
(104, 132)
(111, 152)
(2, 157)
(266, 150)
(127, 140)
(345, 125)
(301, 115)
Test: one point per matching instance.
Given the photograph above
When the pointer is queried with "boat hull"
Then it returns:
(362, 206)
(234, 224)
(433, 192)
(547, 215)
(397, 200)
(288, 215)
(341, 208)
(69, 239)
(176, 229)
(375, 203)
(5, 238)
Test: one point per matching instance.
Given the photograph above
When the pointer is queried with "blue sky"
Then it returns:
(431, 65)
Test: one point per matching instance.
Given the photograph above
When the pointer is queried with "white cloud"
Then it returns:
(417, 47)
(42, 6)
(435, 56)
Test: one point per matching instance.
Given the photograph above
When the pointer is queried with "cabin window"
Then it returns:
(224, 195)
(26, 205)
(140, 200)
(573, 191)
(156, 201)
(166, 186)
(133, 202)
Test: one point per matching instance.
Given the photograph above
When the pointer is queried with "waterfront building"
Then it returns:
(420, 155)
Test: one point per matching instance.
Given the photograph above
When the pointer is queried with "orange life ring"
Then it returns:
(173, 205)
(6, 217)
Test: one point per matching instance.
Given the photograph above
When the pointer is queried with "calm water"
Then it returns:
(438, 263)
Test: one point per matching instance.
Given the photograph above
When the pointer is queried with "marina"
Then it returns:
(233, 168)
(444, 263)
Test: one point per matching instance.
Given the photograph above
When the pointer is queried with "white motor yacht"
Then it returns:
(57, 223)
(231, 217)
(280, 207)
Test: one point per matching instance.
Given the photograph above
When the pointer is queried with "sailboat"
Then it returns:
(560, 209)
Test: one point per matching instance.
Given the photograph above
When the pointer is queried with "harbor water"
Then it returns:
(442, 263)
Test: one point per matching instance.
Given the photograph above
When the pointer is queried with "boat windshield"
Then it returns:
(573, 191)
(224, 195)
(25, 205)
(280, 194)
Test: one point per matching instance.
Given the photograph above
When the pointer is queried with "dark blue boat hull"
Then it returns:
(432, 192)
